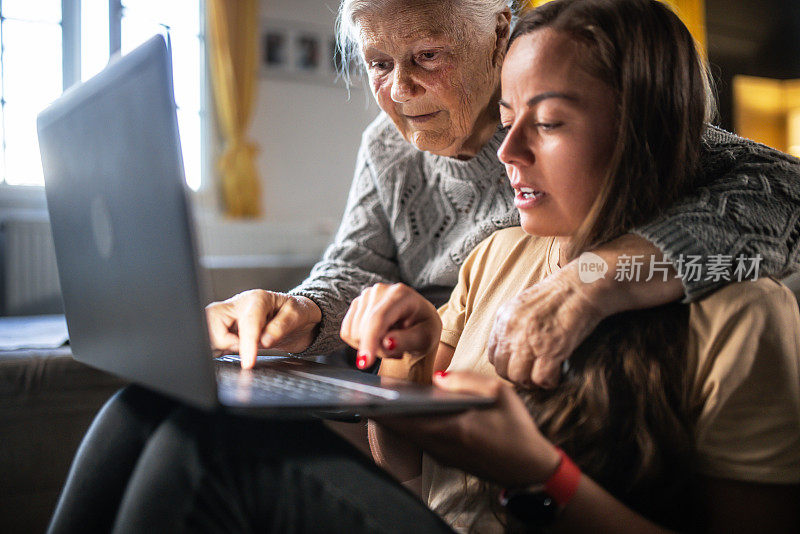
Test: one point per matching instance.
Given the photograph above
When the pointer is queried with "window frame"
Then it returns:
(32, 197)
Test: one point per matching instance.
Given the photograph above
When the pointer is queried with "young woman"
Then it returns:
(683, 416)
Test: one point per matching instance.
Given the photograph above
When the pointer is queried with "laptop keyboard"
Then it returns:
(299, 385)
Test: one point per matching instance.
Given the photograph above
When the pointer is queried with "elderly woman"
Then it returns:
(428, 187)
(681, 416)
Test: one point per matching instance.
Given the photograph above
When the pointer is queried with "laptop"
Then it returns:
(129, 272)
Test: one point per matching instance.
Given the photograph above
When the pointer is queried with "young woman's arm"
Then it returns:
(400, 457)
(394, 453)
(502, 444)
(399, 325)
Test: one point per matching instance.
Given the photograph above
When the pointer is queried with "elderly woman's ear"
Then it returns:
(502, 32)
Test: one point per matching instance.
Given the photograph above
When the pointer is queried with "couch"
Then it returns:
(48, 400)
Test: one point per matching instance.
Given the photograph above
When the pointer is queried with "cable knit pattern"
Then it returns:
(413, 217)
(750, 206)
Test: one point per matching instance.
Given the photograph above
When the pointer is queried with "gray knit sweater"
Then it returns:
(413, 217)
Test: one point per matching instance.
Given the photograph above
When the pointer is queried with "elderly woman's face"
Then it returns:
(562, 129)
(437, 87)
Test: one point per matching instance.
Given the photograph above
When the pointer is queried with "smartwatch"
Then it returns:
(529, 508)
(538, 506)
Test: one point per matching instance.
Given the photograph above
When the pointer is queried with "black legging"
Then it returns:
(148, 464)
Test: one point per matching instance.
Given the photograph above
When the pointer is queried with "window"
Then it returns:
(768, 111)
(48, 45)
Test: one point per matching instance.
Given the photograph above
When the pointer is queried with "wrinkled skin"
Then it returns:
(262, 319)
(438, 87)
(536, 331)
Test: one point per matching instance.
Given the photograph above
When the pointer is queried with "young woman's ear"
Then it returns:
(502, 32)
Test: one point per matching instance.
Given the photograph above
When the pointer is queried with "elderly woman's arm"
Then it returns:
(744, 222)
(749, 207)
(308, 317)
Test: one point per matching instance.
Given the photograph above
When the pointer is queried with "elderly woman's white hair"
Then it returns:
(481, 14)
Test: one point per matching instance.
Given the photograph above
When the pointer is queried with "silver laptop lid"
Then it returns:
(120, 218)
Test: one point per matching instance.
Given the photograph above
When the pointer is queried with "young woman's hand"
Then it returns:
(388, 320)
(262, 319)
(500, 443)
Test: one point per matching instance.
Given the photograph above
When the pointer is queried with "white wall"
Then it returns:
(308, 134)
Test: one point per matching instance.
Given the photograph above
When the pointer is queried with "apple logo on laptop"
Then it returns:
(101, 227)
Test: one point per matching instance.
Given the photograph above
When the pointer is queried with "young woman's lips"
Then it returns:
(526, 198)
(419, 119)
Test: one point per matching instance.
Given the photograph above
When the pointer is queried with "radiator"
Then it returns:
(29, 276)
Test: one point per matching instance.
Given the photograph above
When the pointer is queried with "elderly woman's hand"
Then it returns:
(541, 327)
(500, 443)
(262, 319)
(388, 320)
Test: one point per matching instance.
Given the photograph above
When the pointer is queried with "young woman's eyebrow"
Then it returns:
(543, 96)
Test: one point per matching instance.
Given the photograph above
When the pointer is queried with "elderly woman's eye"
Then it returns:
(428, 55)
(380, 65)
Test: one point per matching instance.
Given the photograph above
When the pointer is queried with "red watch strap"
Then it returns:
(563, 484)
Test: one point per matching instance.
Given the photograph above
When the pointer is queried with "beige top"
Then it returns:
(745, 338)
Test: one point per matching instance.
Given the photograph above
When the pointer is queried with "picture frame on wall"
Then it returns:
(295, 51)
(274, 49)
(308, 51)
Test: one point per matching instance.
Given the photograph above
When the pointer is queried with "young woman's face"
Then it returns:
(562, 129)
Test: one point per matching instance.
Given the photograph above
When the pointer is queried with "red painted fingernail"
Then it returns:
(361, 361)
(440, 374)
(389, 343)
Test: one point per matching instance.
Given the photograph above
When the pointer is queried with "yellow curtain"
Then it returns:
(691, 12)
(233, 53)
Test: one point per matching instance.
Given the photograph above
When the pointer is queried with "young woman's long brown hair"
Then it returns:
(622, 411)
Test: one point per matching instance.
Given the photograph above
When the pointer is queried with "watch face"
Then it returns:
(531, 508)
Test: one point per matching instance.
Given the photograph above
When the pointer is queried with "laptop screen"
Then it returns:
(121, 226)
